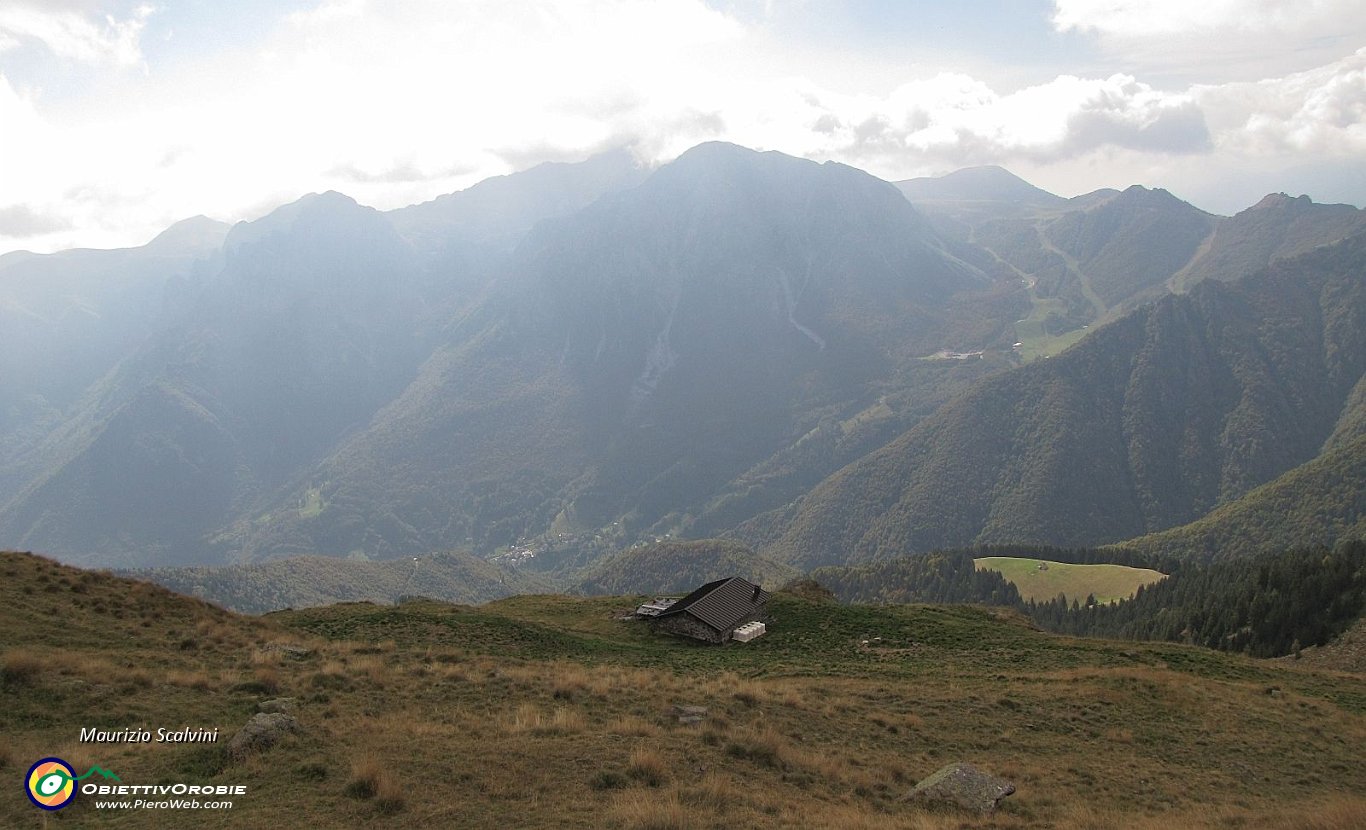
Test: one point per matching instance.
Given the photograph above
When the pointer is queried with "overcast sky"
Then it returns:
(119, 117)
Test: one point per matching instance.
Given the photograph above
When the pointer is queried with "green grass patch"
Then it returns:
(1035, 340)
(313, 504)
(1041, 580)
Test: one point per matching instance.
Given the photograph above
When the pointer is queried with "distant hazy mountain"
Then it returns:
(69, 318)
(555, 365)
(1091, 258)
(303, 332)
(497, 212)
(1149, 423)
(978, 184)
(1275, 228)
(235, 378)
(640, 354)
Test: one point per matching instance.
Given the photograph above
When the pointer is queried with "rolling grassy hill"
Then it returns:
(541, 710)
(306, 581)
(1040, 580)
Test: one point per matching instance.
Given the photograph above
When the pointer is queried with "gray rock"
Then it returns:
(279, 704)
(690, 714)
(289, 650)
(962, 785)
(262, 732)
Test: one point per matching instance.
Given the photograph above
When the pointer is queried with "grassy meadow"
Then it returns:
(546, 711)
(1040, 580)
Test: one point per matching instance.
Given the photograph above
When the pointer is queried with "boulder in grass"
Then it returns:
(963, 786)
(263, 731)
(690, 714)
(279, 704)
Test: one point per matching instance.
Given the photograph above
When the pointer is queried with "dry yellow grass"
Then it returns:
(529, 717)
(191, 679)
(22, 667)
(646, 811)
(820, 734)
(632, 726)
(647, 766)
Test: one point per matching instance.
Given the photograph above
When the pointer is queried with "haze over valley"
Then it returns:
(685, 413)
(582, 357)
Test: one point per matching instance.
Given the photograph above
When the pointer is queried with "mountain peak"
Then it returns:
(499, 210)
(315, 209)
(989, 183)
(729, 160)
(1155, 197)
(716, 150)
(197, 232)
(1282, 201)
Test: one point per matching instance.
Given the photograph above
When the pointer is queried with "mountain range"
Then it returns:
(552, 366)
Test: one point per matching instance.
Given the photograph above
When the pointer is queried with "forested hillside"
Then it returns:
(1266, 606)
(936, 577)
(562, 363)
(1149, 423)
(679, 567)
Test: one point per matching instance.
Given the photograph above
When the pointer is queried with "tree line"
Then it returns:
(1267, 606)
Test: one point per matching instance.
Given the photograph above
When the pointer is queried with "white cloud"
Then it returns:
(397, 103)
(74, 30)
(1164, 17)
(953, 120)
(1315, 114)
(1215, 41)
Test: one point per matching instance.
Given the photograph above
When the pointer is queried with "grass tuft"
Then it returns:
(648, 810)
(648, 767)
(21, 667)
(366, 776)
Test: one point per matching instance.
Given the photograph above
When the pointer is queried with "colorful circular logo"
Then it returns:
(51, 783)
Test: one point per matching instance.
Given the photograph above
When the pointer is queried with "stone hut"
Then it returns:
(713, 612)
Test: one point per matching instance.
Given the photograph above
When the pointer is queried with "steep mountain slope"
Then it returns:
(1092, 258)
(1128, 244)
(1317, 503)
(290, 334)
(1275, 228)
(496, 213)
(1147, 424)
(69, 318)
(643, 352)
(300, 336)
(580, 357)
(679, 567)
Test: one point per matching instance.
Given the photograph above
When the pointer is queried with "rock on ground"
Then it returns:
(690, 714)
(279, 704)
(262, 732)
(962, 785)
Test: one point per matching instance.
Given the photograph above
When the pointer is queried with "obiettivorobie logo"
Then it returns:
(51, 783)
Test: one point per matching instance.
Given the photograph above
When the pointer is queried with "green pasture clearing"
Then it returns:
(1040, 580)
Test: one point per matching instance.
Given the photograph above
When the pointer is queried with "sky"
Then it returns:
(121, 117)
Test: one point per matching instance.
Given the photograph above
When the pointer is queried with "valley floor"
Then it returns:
(550, 711)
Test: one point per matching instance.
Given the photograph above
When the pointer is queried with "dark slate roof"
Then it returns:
(722, 604)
